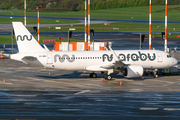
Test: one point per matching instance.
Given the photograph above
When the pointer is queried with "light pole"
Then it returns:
(38, 21)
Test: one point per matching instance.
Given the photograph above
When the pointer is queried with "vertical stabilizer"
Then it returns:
(25, 40)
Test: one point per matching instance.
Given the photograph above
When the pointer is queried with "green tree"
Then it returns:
(8, 5)
(145, 2)
(73, 8)
(140, 3)
(124, 4)
(104, 5)
(2, 6)
(99, 5)
(108, 4)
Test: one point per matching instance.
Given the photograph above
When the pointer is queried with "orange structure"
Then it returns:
(85, 37)
(150, 25)
(25, 13)
(165, 42)
(79, 46)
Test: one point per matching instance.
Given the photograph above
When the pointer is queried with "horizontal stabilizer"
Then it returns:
(29, 58)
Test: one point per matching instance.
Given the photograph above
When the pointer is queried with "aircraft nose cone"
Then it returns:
(175, 61)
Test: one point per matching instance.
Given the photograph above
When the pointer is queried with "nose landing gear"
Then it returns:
(108, 77)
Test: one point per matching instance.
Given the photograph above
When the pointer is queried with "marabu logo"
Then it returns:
(108, 58)
(65, 56)
(133, 57)
(23, 38)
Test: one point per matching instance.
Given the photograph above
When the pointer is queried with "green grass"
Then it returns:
(8, 39)
(7, 20)
(138, 13)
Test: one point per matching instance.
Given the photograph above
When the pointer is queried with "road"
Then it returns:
(81, 21)
(92, 19)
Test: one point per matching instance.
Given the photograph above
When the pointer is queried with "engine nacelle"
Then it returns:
(133, 71)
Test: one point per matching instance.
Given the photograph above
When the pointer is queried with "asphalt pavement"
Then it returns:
(30, 92)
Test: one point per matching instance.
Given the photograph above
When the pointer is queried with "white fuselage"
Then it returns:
(80, 60)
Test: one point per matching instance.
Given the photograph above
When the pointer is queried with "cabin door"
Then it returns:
(159, 55)
(49, 58)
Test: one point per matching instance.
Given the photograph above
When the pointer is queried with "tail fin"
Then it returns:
(25, 40)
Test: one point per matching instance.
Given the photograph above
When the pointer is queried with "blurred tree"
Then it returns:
(73, 8)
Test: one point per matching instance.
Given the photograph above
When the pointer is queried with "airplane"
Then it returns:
(131, 63)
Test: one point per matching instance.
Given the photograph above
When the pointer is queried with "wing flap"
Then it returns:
(108, 66)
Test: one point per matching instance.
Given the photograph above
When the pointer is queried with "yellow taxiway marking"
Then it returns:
(171, 109)
(143, 108)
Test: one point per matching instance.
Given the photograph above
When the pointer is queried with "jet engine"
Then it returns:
(133, 71)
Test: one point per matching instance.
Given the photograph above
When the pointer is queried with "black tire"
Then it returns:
(93, 75)
(109, 77)
(90, 75)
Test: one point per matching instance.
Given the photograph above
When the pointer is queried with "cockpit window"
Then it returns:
(168, 56)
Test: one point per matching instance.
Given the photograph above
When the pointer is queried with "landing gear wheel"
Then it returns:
(108, 77)
(93, 75)
(155, 73)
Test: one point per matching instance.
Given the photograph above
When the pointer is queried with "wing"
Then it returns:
(117, 64)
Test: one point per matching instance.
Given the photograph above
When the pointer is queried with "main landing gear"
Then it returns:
(93, 75)
(106, 77)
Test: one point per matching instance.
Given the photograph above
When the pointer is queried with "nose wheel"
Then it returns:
(155, 73)
(108, 77)
(93, 75)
